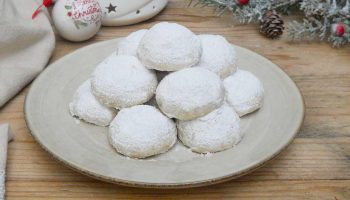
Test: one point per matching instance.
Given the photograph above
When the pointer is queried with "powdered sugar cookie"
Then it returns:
(169, 47)
(216, 131)
(122, 81)
(129, 45)
(142, 131)
(189, 93)
(244, 92)
(85, 106)
(218, 55)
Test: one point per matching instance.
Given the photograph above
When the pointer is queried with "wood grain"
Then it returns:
(315, 166)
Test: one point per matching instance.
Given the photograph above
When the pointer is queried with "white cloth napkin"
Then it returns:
(25, 45)
(5, 137)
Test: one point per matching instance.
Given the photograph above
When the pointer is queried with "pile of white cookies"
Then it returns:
(200, 94)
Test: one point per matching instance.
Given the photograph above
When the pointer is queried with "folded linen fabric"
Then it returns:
(5, 137)
(25, 45)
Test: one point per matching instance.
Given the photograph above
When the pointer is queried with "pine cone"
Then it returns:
(271, 25)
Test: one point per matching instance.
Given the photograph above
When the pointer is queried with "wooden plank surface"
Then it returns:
(315, 166)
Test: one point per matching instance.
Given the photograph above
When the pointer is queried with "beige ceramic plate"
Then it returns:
(85, 148)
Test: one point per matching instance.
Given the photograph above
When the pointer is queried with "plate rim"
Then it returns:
(252, 167)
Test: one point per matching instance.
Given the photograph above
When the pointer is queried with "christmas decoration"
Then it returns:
(77, 20)
(124, 12)
(253, 10)
(45, 3)
(338, 29)
(326, 20)
(243, 2)
(321, 17)
(271, 25)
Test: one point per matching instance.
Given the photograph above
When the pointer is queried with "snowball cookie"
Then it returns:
(218, 55)
(122, 81)
(142, 131)
(190, 93)
(169, 47)
(85, 106)
(216, 131)
(244, 92)
(128, 46)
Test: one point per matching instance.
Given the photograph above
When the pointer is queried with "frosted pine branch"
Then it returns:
(319, 16)
(253, 12)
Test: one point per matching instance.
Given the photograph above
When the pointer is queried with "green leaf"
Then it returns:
(68, 7)
(76, 24)
(80, 23)
(83, 24)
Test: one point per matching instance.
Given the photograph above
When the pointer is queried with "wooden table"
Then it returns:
(315, 166)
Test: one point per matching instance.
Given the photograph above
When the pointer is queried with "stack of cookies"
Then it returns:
(167, 83)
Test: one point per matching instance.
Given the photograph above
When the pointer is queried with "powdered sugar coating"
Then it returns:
(189, 93)
(129, 45)
(85, 106)
(216, 131)
(122, 81)
(169, 47)
(244, 92)
(142, 131)
(218, 55)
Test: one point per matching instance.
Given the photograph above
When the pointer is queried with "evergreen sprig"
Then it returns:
(319, 16)
(252, 12)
